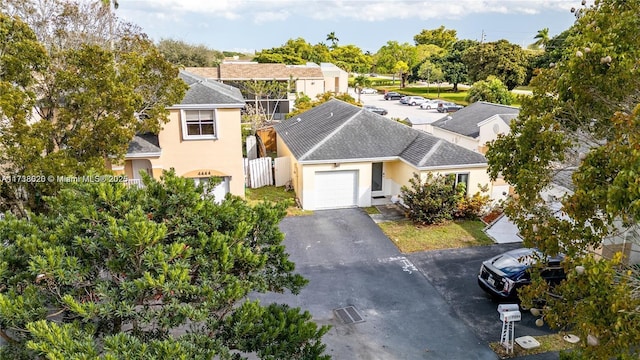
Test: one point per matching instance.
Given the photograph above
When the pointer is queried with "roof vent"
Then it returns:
(331, 114)
(298, 119)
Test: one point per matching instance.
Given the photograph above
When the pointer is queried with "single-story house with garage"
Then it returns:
(344, 156)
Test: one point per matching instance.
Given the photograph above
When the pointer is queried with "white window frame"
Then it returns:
(457, 180)
(185, 133)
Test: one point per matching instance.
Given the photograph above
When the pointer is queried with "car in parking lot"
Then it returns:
(502, 275)
(448, 107)
(392, 95)
(368, 91)
(430, 104)
(414, 100)
(375, 109)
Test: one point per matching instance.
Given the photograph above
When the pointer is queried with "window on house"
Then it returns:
(461, 178)
(199, 124)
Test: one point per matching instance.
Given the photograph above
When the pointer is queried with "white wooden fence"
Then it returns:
(260, 172)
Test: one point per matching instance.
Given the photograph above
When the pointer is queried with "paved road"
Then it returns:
(350, 262)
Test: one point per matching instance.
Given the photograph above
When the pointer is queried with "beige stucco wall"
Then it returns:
(294, 169)
(488, 133)
(310, 87)
(214, 157)
(399, 173)
(223, 155)
(336, 81)
(464, 141)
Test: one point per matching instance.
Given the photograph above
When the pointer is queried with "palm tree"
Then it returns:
(360, 82)
(334, 40)
(542, 38)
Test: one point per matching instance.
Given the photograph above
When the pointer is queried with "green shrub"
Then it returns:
(432, 201)
(471, 207)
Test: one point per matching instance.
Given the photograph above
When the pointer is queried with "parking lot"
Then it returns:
(399, 111)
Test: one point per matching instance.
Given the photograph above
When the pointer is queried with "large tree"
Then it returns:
(293, 52)
(502, 59)
(351, 59)
(21, 56)
(162, 272)
(453, 67)
(183, 54)
(442, 37)
(99, 89)
(584, 119)
(396, 58)
(491, 90)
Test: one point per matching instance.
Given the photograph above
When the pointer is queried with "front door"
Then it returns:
(377, 178)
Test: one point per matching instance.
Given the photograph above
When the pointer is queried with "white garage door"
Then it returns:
(336, 189)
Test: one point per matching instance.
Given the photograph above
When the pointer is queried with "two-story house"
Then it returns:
(202, 139)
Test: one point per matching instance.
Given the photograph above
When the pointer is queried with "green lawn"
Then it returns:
(407, 236)
(432, 92)
(553, 342)
(275, 194)
(456, 234)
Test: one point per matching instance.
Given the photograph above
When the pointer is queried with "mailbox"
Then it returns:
(510, 316)
(508, 307)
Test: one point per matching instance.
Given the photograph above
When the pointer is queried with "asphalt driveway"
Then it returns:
(453, 273)
(350, 262)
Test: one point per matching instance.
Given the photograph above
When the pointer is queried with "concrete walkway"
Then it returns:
(503, 231)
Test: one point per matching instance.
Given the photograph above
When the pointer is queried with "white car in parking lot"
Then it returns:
(430, 104)
(368, 91)
(414, 100)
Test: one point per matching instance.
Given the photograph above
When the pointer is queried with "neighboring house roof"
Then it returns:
(465, 121)
(564, 178)
(144, 145)
(258, 71)
(208, 92)
(340, 131)
(331, 69)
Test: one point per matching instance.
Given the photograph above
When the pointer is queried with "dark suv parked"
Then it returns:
(393, 96)
(502, 275)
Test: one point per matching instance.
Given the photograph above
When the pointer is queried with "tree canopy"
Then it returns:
(452, 63)
(442, 37)
(506, 61)
(490, 90)
(93, 96)
(396, 58)
(180, 53)
(162, 272)
(582, 123)
(299, 51)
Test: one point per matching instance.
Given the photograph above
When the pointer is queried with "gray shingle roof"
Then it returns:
(144, 144)
(337, 130)
(209, 92)
(465, 121)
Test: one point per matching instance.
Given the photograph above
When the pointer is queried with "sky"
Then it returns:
(253, 25)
